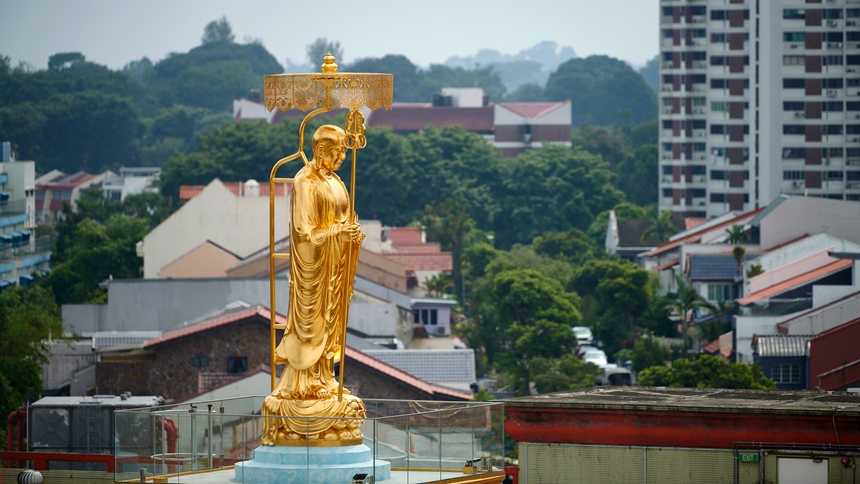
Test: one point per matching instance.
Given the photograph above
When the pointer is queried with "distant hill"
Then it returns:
(529, 66)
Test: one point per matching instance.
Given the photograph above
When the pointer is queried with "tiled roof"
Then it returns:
(777, 345)
(667, 265)
(187, 192)
(691, 222)
(696, 236)
(104, 339)
(435, 366)
(808, 277)
(532, 110)
(415, 118)
(404, 235)
(441, 261)
(217, 322)
(402, 376)
(412, 248)
(715, 267)
(712, 348)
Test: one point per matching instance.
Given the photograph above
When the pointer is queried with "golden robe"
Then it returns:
(320, 289)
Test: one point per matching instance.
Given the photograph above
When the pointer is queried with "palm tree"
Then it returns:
(736, 234)
(684, 302)
(435, 286)
(754, 270)
(738, 253)
(661, 228)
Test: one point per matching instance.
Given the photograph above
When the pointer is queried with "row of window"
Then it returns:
(801, 129)
(693, 169)
(726, 128)
(800, 153)
(719, 60)
(695, 56)
(724, 292)
(425, 316)
(719, 106)
(826, 60)
(721, 38)
(683, 78)
(694, 192)
(724, 83)
(695, 101)
(850, 36)
(826, 106)
(826, 83)
(724, 197)
(724, 14)
(830, 13)
(696, 146)
(724, 174)
(825, 175)
(682, 11)
(683, 123)
(694, 33)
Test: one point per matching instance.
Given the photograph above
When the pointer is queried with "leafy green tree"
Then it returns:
(649, 352)
(686, 300)
(662, 228)
(562, 374)
(736, 234)
(437, 285)
(537, 316)
(646, 133)
(442, 76)
(551, 189)
(217, 31)
(651, 72)
(637, 175)
(572, 246)
(601, 88)
(139, 70)
(609, 143)
(529, 92)
(318, 49)
(754, 270)
(410, 86)
(448, 224)
(623, 211)
(707, 372)
(29, 317)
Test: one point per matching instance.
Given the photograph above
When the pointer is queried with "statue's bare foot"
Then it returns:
(322, 393)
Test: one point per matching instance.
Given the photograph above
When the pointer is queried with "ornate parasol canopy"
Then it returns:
(329, 89)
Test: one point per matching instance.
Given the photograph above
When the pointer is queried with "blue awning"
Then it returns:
(26, 281)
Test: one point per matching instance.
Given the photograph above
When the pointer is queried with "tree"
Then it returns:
(572, 245)
(651, 72)
(139, 70)
(448, 224)
(322, 46)
(536, 316)
(29, 318)
(649, 352)
(637, 175)
(410, 86)
(736, 234)
(754, 270)
(623, 211)
(661, 228)
(707, 372)
(437, 284)
(217, 31)
(65, 60)
(562, 374)
(609, 143)
(738, 253)
(601, 88)
(684, 302)
(529, 92)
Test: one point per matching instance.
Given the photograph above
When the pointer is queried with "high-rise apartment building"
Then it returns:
(757, 98)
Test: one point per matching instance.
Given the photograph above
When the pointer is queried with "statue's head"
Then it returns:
(329, 146)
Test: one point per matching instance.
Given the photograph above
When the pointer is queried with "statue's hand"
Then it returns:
(349, 232)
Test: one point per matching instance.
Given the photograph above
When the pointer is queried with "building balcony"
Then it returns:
(11, 247)
(15, 207)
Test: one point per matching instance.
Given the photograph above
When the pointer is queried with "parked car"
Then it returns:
(598, 357)
(615, 376)
(581, 349)
(583, 335)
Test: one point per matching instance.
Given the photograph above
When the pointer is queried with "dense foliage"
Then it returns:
(707, 372)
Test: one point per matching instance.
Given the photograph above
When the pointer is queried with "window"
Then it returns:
(833, 152)
(832, 129)
(718, 15)
(667, 33)
(718, 38)
(794, 36)
(237, 364)
(698, 78)
(834, 175)
(793, 83)
(832, 13)
(832, 37)
(667, 11)
(718, 84)
(698, 192)
(698, 34)
(667, 192)
(793, 106)
(832, 106)
(785, 373)
(667, 146)
(793, 129)
(852, 175)
(697, 10)
(425, 316)
(835, 83)
(698, 169)
(852, 129)
(667, 102)
(793, 153)
(723, 292)
(699, 101)
(792, 13)
(718, 106)
(717, 129)
(852, 106)
(667, 170)
(200, 361)
(718, 175)
(667, 56)
(718, 60)
(793, 60)
(852, 12)
(699, 124)
(852, 60)
(832, 60)
(793, 175)
(700, 56)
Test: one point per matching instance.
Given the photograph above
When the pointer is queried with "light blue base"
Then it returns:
(317, 465)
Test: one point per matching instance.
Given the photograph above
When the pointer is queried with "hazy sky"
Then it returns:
(114, 32)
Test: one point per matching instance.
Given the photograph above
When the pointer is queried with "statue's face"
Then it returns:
(331, 157)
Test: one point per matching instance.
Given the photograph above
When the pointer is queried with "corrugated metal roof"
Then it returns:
(434, 366)
(715, 267)
(781, 345)
(104, 339)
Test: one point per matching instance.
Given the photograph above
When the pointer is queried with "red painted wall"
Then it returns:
(832, 349)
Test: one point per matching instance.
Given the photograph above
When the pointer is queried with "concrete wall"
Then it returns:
(822, 319)
(66, 359)
(745, 327)
(206, 260)
(84, 319)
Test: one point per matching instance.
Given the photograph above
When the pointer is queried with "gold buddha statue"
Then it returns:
(306, 407)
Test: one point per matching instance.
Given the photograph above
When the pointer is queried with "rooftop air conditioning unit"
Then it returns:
(799, 114)
(441, 330)
(831, 23)
(831, 93)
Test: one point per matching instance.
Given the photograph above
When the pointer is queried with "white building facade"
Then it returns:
(757, 98)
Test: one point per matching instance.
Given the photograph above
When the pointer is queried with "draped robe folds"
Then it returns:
(320, 290)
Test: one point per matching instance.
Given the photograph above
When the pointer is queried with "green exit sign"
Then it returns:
(748, 457)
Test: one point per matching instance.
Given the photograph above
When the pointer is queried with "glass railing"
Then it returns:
(404, 441)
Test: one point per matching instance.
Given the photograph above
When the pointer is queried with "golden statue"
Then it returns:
(308, 406)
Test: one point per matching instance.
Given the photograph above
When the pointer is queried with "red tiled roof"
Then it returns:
(697, 235)
(413, 248)
(404, 235)
(415, 118)
(257, 310)
(187, 192)
(440, 261)
(796, 281)
(533, 110)
(401, 375)
(691, 222)
(667, 265)
(712, 348)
